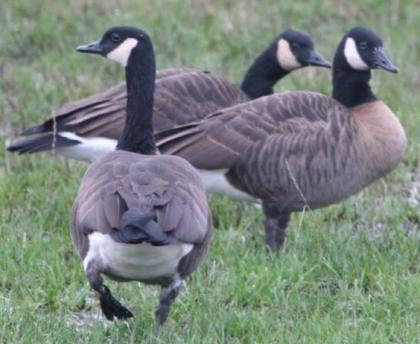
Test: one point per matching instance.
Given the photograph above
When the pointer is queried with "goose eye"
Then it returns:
(363, 45)
(115, 37)
(295, 45)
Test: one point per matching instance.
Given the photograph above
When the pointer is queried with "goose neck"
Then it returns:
(351, 87)
(262, 76)
(137, 134)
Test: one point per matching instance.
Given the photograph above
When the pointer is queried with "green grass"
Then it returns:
(349, 273)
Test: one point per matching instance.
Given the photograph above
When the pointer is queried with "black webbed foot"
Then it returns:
(111, 307)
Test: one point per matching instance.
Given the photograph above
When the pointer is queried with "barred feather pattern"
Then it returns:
(295, 148)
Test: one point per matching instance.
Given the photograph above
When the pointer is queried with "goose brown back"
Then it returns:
(301, 148)
(120, 181)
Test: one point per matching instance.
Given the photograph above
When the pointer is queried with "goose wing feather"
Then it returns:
(123, 181)
(218, 141)
(182, 95)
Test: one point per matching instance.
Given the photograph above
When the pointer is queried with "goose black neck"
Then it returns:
(140, 73)
(262, 76)
(350, 86)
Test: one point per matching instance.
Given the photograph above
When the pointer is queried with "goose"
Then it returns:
(90, 127)
(138, 216)
(299, 149)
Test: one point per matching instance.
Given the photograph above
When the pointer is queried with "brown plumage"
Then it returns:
(181, 95)
(294, 149)
(90, 127)
(100, 114)
(169, 190)
(139, 216)
(305, 136)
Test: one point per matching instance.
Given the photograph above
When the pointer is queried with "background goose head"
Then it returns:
(295, 49)
(121, 44)
(289, 51)
(361, 49)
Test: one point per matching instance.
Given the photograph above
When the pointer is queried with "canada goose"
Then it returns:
(299, 149)
(138, 216)
(90, 127)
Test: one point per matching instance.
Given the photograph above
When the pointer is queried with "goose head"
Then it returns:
(295, 49)
(361, 49)
(118, 44)
(133, 49)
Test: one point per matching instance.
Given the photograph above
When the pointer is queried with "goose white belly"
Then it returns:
(215, 181)
(135, 261)
(89, 149)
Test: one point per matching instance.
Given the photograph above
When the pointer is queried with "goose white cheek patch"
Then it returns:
(123, 51)
(352, 55)
(285, 56)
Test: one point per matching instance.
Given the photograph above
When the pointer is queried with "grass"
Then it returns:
(348, 273)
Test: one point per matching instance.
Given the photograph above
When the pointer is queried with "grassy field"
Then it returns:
(348, 273)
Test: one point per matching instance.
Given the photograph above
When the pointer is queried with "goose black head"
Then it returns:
(295, 49)
(362, 49)
(117, 44)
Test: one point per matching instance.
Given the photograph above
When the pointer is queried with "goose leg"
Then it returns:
(282, 221)
(275, 226)
(110, 306)
(167, 297)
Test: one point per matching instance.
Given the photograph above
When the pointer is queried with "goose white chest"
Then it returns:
(135, 261)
